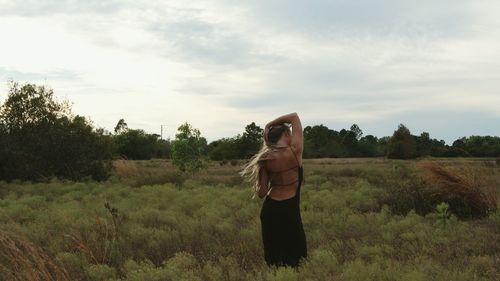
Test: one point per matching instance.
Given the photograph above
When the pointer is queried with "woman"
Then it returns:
(278, 175)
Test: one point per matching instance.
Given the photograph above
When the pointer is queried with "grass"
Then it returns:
(471, 190)
(20, 260)
(364, 220)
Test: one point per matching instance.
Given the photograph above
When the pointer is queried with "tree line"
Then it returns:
(41, 138)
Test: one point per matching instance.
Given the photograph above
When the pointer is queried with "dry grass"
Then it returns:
(465, 187)
(22, 260)
(125, 168)
(95, 242)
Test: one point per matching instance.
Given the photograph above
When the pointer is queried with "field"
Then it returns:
(365, 219)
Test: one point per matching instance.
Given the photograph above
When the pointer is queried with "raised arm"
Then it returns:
(297, 133)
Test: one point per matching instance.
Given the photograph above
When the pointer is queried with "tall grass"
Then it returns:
(21, 260)
(470, 191)
(124, 168)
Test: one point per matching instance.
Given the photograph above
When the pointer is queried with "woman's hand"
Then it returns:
(297, 133)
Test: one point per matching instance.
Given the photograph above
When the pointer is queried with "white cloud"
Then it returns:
(222, 64)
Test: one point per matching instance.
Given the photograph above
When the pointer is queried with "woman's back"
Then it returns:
(284, 168)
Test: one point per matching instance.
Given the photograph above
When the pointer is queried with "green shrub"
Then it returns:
(183, 266)
(101, 272)
(75, 264)
(320, 265)
(406, 191)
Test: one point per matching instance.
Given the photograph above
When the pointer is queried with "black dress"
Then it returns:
(282, 230)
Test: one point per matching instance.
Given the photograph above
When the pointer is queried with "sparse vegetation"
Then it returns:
(152, 224)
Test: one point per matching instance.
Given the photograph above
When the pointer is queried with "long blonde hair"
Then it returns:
(251, 171)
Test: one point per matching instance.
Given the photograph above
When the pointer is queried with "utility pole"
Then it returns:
(161, 131)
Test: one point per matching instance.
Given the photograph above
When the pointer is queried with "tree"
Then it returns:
(188, 148)
(28, 105)
(41, 138)
(242, 146)
(368, 146)
(136, 144)
(121, 126)
(349, 141)
(357, 131)
(479, 146)
(250, 141)
(424, 144)
(225, 149)
(402, 144)
(320, 141)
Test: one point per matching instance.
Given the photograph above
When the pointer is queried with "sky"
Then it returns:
(220, 64)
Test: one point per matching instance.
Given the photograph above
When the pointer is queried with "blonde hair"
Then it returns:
(251, 171)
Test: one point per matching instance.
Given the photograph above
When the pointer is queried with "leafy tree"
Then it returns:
(368, 146)
(162, 148)
(29, 105)
(41, 138)
(242, 146)
(225, 149)
(402, 144)
(320, 141)
(139, 145)
(357, 131)
(479, 146)
(136, 144)
(349, 141)
(250, 141)
(121, 127)
(188, 148)
(424, 144)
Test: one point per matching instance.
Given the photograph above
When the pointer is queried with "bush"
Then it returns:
(101, 272)
(406, 191)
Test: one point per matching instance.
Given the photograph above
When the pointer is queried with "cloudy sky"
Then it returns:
(220, 64)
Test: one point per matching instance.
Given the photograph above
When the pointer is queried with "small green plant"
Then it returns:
(443, 213)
